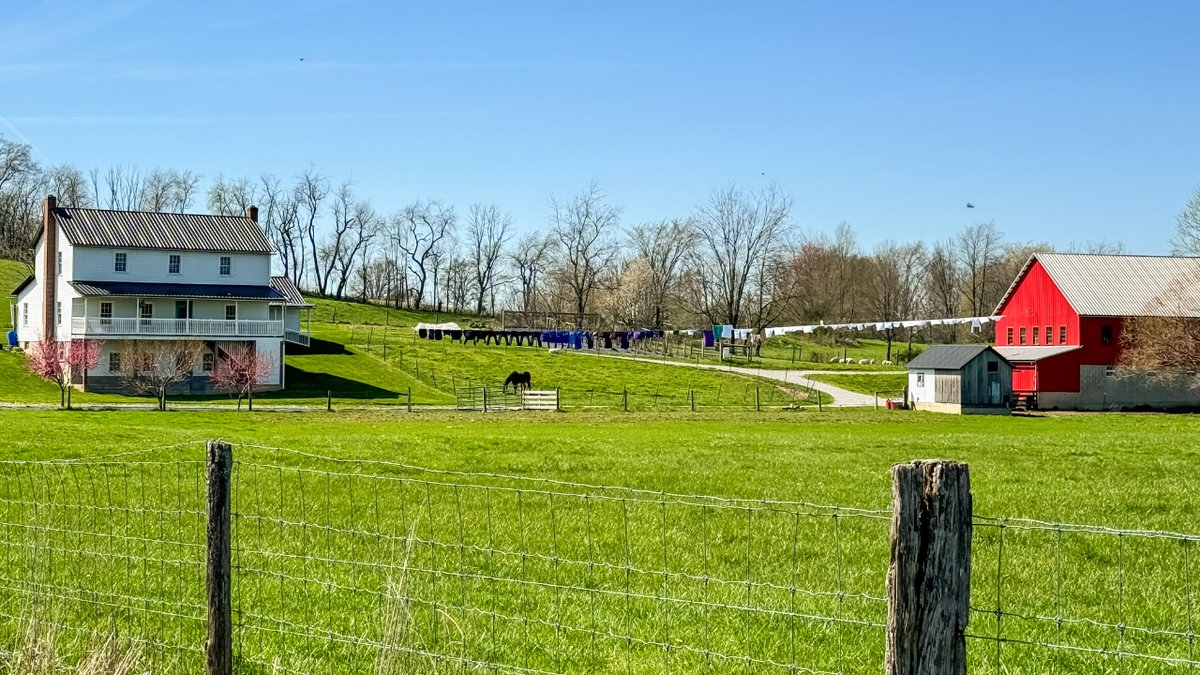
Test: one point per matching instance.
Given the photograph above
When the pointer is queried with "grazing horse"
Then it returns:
(518, 381)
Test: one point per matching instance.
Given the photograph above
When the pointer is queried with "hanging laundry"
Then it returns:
(710, 337)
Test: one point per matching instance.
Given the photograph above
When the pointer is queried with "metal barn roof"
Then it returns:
(174, 231)
(1121, 285)
(287, 288)
(217, 291)
(946, 357)
(1024, 354)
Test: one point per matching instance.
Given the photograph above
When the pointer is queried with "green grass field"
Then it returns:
(12, 273)
(343, 558)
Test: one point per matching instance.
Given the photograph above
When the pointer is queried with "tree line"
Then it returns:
(736, 258)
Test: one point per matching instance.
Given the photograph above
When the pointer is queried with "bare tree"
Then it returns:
(309, 193)
(69, 185)
(736, 230)
(151, 366)
(979, 251)
(530, 257)
(21, 184)
(944, 283)
(893, 285)
(664, 246)
(584, 227)
(418, 231)
(1186, 240)
(489, 231)
(363, 226)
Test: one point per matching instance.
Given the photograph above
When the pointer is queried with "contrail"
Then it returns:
(26, 141)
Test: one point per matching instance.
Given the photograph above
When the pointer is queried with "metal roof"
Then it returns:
(946, 357)
(1025, 354)
(222, 292)
(174, 231)
(1120, 285)
(287, 288)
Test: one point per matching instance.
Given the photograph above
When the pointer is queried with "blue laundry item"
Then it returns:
(709, 338)
(624, 340)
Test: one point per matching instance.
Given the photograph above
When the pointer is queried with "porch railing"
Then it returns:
(93, 326)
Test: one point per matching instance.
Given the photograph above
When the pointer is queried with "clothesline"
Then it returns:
(976, 323)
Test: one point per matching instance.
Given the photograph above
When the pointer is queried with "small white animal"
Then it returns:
(863, 362)
(835, 360)
(888, 363)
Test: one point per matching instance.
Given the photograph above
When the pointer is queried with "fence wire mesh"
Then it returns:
(380, 567)
(103, 557)
(1061, 598)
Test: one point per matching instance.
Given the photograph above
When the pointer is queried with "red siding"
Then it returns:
(1095, 352)
(1037, 302)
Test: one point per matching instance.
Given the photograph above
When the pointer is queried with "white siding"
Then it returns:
(151, 266)
(921, 388)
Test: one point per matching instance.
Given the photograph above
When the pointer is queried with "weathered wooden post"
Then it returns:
(328, 400)
(218, 648)
(557, 399)
(929, 579)
(408, 398)
(485, 399)
(757, 400)
(625, 398)
(692, 399)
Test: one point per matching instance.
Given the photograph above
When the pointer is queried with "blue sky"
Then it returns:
(1061, 121)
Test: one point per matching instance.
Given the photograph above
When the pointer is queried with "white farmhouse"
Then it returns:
(132, 275)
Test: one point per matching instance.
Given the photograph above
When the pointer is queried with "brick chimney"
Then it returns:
(252, 212)
(49, 268)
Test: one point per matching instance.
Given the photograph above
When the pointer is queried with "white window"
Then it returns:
(114, 362)
(226, 265)
(1110, 371)
(25, 314)
(58, 313)
(119, 262)
(230, 312)
(60, 262)
(106, 314)
(920, 379)
(173, 264)
(207, 362)
(146, 310)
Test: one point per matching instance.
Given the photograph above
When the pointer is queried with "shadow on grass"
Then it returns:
(318, 346)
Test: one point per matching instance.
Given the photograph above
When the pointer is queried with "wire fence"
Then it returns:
(362, 566)
(99, 550)
(391, 568)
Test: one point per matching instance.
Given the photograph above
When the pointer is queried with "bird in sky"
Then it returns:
(969, 204)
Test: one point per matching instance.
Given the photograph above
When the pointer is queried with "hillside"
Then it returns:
(12, 273)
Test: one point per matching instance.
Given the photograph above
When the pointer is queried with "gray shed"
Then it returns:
(960, 379)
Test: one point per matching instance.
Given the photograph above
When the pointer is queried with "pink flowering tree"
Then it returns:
(240, 368)
(59, 362)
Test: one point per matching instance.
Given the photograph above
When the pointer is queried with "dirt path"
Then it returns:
(843, 398)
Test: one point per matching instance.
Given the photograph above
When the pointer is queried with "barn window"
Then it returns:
(1022, 335)
(1049, 335)
(1035, 335)
(993, 366)
(1110, 371)
(920, 379)
(1106, 334)
(1010, 335)
(1062, 335)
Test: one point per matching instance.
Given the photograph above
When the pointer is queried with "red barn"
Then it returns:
(1062, 320)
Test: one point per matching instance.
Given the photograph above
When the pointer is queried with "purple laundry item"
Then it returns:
(709, 340)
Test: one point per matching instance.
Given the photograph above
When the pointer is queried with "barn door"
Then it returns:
(994, 388)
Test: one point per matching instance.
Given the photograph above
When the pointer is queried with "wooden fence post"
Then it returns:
(218, 648)
(929, 578)
(328, 400)
(408, 399)
(485, 399)
(625, 399)
(557, 399)
(757, 401)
